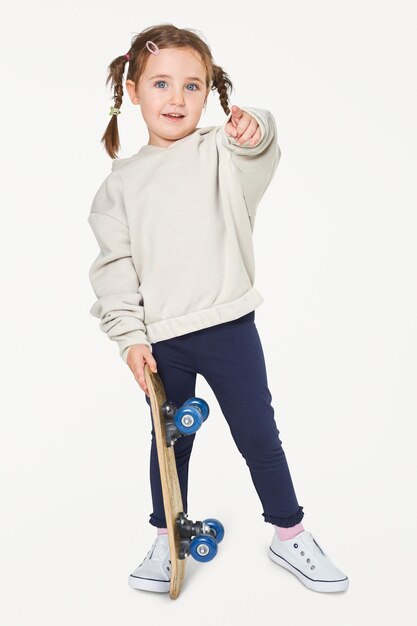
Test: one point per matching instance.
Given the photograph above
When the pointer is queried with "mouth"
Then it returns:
(173, 117)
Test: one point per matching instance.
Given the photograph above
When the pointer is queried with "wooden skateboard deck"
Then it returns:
(185, 537)
(169, 479)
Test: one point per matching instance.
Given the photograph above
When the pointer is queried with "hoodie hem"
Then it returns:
(197, 320)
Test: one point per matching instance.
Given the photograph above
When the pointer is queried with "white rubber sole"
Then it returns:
(315, 585)
(149, 584)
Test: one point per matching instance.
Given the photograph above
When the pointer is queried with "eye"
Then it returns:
(197, 88)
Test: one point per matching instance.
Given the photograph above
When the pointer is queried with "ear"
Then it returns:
(132, 91)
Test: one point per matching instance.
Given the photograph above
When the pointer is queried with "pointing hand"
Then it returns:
(243, 127)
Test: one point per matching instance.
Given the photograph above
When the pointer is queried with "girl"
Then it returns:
(174, 278)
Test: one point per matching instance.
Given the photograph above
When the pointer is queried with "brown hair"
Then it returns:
(165, 36)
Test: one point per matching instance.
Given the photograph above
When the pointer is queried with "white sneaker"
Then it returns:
(303, 556)
(154, 573)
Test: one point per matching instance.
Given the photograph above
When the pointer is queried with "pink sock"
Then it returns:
(162, 531)
(288, 533)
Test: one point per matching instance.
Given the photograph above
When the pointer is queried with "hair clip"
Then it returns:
(156, 49)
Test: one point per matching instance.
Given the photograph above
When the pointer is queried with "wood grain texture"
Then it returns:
(169, 479)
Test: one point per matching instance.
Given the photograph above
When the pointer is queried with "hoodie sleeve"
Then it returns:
(255, 165)
(119, 305)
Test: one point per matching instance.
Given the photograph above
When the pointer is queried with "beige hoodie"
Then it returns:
(174, 227)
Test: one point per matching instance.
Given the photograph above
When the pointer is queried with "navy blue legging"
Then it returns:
(230, 357)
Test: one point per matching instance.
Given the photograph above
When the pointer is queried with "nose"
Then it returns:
(177, 97)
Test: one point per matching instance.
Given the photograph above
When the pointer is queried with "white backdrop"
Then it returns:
(335, 252)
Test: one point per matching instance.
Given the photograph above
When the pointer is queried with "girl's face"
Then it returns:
(174, 81)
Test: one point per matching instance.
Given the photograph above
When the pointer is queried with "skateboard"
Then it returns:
(185, 537)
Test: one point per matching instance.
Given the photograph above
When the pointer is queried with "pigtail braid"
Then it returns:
(110, 137)
(223, 84)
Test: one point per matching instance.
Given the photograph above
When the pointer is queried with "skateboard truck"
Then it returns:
(184, 420)
(199, 539)
(171, 431)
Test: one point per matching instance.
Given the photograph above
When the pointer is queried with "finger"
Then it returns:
(230, 129)
(256, 137)
(237, 131)
(240, 122)
(152, 364)
(245, 123)
(237, 113)
(140, 378)
(231, 126)
(248, 132)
